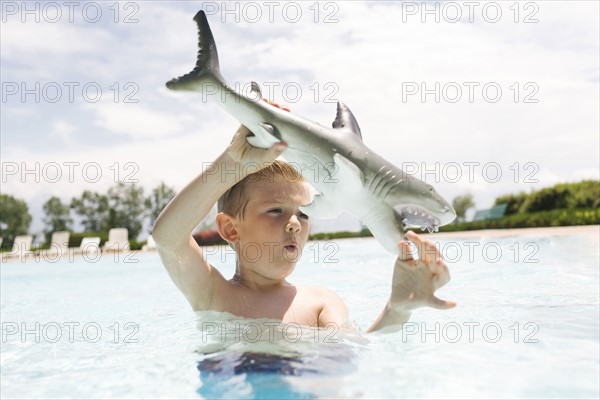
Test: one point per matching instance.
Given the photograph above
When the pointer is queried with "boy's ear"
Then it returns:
(226, 227)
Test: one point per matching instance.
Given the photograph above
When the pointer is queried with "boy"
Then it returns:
(259, 216)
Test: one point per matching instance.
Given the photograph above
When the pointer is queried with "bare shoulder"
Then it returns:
(333, 308)
(320, 291)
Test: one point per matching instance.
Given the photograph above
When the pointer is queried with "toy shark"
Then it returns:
(346, 173)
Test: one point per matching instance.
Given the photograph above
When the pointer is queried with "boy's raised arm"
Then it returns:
(413, 284)
(180, 254)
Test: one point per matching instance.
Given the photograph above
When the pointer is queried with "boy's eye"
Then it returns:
(274, 211)
(302, 215)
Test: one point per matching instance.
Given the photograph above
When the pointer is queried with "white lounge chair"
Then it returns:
(150, 244)
(118, 240)
(21, 248)
(89, 246)
(59, 245)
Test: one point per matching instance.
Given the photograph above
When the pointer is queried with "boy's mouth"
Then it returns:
(291, 246)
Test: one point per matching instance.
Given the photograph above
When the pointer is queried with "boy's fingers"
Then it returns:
(275, 104)
(427, 250)
(442, 304)
(410, 235)
(441, 279)
(404, 251)
(438, 267)
(241, 132)
(277, 149)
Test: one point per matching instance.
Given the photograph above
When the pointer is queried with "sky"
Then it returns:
(486, 98)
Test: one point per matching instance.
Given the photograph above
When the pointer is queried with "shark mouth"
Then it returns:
(415, 216)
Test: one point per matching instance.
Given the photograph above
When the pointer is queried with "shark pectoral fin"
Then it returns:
(265, 136)
(271, 131)
(348, 174)
(345, 119)
(320, 208)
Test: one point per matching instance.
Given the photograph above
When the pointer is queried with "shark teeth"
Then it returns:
(416, 216)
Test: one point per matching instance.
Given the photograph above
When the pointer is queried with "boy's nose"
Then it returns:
(293, 225)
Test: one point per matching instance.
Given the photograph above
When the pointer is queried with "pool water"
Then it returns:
(526, 326)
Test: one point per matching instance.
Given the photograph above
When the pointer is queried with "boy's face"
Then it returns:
(273, 231)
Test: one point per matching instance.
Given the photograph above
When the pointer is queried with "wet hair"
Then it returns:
(234, 201)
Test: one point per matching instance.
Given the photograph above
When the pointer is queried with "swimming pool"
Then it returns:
(526, 326)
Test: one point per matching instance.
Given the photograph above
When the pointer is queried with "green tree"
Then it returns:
(157, 201)
(122, 207)
(57, 216)
(461, 205)
(92, 208)
(126, 208)
(14, 217)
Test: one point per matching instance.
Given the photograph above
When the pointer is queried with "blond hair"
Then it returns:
(234, 201)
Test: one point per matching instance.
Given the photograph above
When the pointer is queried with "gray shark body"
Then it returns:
(346, 173)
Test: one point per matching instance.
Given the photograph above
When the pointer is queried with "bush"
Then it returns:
(76, 237)
(135, 245)
(584, 194)
(546, 199)
(340, 235)
(562, 217)
(513, 202)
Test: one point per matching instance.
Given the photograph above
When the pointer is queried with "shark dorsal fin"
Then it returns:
(345, 119)
(255, 91)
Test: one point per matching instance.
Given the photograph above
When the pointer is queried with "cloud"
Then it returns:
(63, 130)
(136, 121)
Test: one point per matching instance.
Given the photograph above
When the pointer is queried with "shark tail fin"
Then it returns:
(207, 62)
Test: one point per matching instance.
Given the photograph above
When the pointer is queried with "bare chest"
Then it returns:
(289, 306)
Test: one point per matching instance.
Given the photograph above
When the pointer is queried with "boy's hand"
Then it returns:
(415, 281)
(275, 104)
(240, 151)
